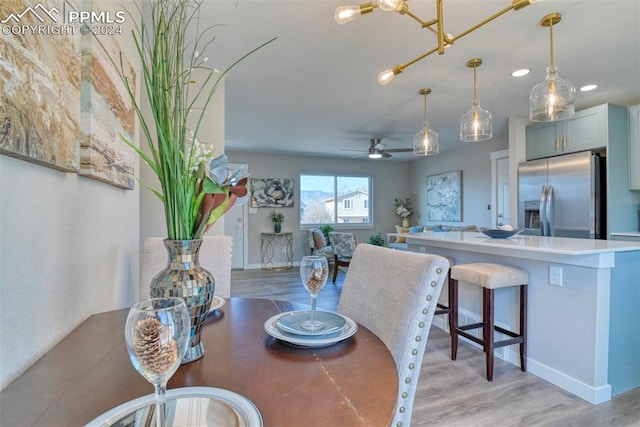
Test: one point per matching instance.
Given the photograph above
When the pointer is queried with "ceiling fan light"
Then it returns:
(476, 125)
(553, 99)
(426, 143)
(375, 155)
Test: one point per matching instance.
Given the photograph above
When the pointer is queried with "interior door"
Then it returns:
(502, 187)
(234, 226)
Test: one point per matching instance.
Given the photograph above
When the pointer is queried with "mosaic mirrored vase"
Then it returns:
(184, 277)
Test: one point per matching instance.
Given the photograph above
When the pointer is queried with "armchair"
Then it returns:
(343, 245)
(318, 244)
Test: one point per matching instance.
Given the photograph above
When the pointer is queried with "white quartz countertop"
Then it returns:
(548, 245)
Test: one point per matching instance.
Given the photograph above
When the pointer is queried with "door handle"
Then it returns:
(542, 210)
(550, 213)
(557, 143)
(564, 141)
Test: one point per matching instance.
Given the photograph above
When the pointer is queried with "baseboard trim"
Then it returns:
(592, 394)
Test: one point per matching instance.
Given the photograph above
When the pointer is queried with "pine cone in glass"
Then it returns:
(154, 346)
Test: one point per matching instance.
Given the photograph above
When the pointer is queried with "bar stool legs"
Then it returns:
(523, 327)
(453, 317)
(443, 309)
(488, 326)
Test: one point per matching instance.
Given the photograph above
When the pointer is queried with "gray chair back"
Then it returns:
(394, 295)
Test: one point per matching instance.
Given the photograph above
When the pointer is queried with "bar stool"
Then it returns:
(490, 277)
(443, 309)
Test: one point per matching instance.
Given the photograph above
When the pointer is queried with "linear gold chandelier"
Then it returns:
(346, 14)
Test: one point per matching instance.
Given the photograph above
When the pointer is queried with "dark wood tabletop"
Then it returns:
(351, 383)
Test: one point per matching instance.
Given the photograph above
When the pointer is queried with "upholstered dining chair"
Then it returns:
(215, 256)
(342, 245)
(394, 294)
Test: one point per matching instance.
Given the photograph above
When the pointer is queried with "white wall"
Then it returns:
(68, 249)
(390, 180)
(475, 163)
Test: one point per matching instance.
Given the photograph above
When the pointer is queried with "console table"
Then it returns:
(277, 250)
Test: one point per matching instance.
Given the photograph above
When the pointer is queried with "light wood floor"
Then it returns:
(456, 394)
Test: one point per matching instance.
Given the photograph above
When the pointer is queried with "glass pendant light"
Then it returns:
(425, 143)
(554, 98)
(477, 123)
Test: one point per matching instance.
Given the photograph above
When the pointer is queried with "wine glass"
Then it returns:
(157, 335)
(313, 272)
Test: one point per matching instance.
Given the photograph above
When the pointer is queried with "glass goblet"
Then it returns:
(314, 271)
(157, 335)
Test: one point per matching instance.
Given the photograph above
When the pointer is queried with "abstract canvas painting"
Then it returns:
(40, 95)
(107, 114)
(444, 196)
(271, 193)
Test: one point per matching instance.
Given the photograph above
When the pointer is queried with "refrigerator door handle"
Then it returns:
(550, 212)
(543, 210)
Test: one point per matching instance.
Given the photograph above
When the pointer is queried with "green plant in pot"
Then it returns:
(196, 189)
(278, 219)
(376, 239)
(326, 229)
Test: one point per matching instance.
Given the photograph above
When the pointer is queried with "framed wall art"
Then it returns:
(107, 114)
(444, 196)
(39, 95)
(271, 193)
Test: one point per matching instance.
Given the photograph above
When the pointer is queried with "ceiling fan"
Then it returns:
(376, 150)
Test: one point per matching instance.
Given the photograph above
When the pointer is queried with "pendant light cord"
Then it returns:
(475, 88)
(425, 111)
(551, 42)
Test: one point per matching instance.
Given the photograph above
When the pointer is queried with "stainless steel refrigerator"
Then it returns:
(563, 196)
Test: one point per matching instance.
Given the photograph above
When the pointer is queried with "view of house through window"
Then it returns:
(331, 199)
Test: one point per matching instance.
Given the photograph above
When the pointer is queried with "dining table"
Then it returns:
(353, 382)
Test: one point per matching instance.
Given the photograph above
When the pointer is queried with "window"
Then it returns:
(335, 200)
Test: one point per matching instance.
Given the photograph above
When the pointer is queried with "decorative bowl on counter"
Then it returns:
(497, 233)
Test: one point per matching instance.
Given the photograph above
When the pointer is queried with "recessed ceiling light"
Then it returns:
(520, 73)
(587, 88)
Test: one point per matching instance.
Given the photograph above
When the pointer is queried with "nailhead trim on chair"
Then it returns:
(418, 338)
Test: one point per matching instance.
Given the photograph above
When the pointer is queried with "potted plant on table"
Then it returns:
(278, 219)
(196, 189)
(376, 239)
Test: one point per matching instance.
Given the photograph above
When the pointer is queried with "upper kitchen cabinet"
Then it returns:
(634, 147)
(604, 128)
(586, 130)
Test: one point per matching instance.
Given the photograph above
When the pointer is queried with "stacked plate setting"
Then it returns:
(287, 327)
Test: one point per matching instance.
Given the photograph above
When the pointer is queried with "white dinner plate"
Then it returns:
(216, 303)
(291, 322)
(271, 328)
(187, 406)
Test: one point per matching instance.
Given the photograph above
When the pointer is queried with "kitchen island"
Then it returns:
(584, 295)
